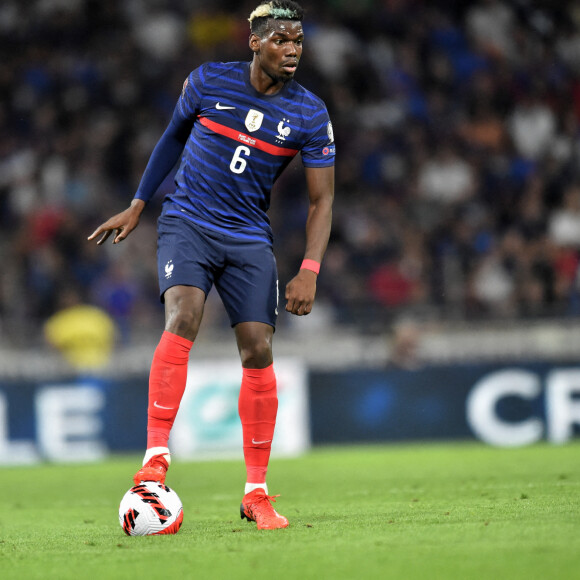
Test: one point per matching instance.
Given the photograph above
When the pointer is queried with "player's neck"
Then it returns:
(263, 82)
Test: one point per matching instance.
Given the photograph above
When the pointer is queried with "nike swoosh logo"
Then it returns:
(155, 404)
(222, 107)
(261, 442)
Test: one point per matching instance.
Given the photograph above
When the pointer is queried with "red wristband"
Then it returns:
(310, 265)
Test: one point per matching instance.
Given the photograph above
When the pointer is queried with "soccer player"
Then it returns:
(236, 126)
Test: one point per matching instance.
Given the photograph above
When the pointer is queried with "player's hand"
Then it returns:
(300, 292)
(123, 224)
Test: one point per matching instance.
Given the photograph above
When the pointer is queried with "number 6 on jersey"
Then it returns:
(238, 164)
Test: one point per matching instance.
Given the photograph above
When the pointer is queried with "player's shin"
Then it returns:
(258, 406)
(167, 382)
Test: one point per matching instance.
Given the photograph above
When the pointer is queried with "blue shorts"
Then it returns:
(243, 272)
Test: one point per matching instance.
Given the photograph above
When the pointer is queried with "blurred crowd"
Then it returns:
(458, 149)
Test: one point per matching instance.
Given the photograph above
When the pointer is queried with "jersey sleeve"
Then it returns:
(319, 151)
(189, 101)
(169, 148)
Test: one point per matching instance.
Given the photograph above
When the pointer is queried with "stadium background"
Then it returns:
(449, 299)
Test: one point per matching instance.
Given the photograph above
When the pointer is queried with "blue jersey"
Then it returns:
(240, 142)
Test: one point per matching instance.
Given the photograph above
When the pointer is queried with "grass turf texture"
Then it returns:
(418, 511)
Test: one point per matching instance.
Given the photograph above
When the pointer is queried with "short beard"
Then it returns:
(281, 78)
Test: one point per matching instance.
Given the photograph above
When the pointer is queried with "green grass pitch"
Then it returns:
(457, 511)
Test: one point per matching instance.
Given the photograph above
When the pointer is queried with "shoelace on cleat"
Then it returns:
(265, 497)
(261, 503)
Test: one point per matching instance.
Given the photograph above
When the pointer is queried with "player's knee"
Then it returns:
(183, 323)
(256, 354)
(256, 357)
(184, 311)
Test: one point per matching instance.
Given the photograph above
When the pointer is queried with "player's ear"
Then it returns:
(254, 42)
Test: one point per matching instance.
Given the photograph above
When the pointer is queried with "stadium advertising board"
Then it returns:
(507, 405)
(86, 418)
(208, 424)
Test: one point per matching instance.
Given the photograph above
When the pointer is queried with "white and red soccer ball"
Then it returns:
(150, 508)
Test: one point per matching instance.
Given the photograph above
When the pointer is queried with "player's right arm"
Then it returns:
(163, 158)
(123, 224)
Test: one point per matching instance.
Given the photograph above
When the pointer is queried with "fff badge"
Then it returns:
(254, 120)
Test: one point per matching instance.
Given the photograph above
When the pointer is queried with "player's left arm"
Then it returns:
(301, 290)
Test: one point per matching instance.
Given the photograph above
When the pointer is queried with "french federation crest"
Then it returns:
(283, 130)
(254, 120)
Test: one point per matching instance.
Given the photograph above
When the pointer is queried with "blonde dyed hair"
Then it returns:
(278, 10)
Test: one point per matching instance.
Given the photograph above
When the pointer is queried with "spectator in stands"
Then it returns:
(495, 79)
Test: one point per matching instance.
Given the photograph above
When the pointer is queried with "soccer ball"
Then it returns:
(150, 508)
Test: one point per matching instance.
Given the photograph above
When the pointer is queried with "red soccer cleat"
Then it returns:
(154, 470)
(256, 507)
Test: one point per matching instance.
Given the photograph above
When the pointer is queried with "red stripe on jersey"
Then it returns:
(246, 139)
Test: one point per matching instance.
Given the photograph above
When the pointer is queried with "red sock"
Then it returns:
(258, 405)
(167, 381)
